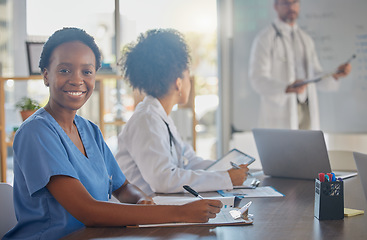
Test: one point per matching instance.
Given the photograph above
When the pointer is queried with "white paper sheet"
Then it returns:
(222, 218)
(179, 200)
(266, 191)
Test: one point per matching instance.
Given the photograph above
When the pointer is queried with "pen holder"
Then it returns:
(329, 200)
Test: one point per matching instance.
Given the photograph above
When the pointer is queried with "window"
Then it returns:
(197, 20)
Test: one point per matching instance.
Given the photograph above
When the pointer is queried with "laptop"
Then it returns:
(293, 153)
(361, 162)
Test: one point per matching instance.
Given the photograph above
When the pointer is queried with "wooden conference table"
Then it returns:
(289, 217)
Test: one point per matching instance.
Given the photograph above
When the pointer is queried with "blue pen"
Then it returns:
(333, 177)
(327, 179)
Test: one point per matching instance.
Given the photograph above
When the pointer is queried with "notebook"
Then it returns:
(361, 162)
(223, 218)
(293, 153)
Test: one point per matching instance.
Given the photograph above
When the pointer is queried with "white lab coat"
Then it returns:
(272, 69)
(145, 156)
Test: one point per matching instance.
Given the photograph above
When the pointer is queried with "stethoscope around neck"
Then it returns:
(277, 31)
(170, 137)
(278, 34)
(181, 158)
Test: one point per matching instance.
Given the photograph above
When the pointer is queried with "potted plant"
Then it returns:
(27, 107)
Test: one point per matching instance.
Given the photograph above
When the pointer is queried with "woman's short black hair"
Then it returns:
(64, 35)
(155, 61)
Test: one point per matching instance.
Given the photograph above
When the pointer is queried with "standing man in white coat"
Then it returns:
(282, 56)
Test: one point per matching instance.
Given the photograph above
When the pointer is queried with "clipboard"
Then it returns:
(223, 218)
(309, 81)
(224, 163)
(312, 80)
(322, 77)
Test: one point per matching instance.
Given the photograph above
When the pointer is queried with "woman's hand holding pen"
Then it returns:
(238, 175)
(200, 211)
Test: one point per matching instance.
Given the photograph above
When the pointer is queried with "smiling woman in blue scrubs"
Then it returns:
(64, 173)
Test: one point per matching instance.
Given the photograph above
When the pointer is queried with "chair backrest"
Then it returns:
(361, 162)
(7, 214)
(342, 160)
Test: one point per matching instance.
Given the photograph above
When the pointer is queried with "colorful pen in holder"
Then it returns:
(329, 198)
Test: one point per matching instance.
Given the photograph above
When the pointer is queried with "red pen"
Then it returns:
(322, 177)
(330, 177)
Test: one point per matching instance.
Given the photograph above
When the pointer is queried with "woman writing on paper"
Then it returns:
(64, 172)
(150, 150)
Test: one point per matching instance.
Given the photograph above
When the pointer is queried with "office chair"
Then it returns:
(342, 160)
(7, 216)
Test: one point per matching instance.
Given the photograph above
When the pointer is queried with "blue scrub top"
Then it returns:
(42, 149)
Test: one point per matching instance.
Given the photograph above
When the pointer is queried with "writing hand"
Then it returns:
(201, 210)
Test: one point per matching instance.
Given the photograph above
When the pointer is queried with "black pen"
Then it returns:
(192, 191)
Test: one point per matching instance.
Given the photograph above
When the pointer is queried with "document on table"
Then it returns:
(222, 218)
(250, 183)
(266, 191)
(228, 201)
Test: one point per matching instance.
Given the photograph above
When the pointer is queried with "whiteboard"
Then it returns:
(339, 29)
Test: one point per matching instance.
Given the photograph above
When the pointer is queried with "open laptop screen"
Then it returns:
(292, 153)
